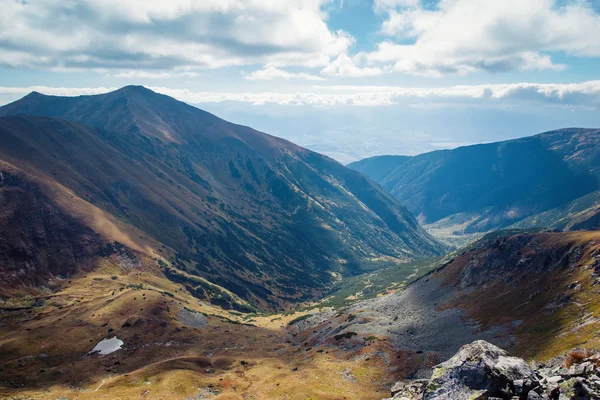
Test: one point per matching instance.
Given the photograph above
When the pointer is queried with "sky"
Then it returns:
(348, 78)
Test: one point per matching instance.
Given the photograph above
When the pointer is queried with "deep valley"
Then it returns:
(151, 250)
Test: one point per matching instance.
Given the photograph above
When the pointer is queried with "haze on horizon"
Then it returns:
(347, 78)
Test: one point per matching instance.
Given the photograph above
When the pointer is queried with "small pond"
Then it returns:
(107, 346)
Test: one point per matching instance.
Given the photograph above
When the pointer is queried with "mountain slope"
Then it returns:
(39, 240)
(535, 293)
(580, 214)
(262, 217)
(484, 187)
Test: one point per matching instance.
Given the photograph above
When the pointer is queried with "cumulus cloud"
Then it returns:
(160, 39)
(271, 73)
(164, 35)
(463, 36)
(346, 67)
(386, 4)
(54, 91)
(586, 94)
(142, 74)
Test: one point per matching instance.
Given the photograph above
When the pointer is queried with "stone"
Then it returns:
(533, 396)
(595, 384)
(577, 370)
(574, 388)
(412, 390)
(524, 386)
(398, 387)
(482, 371)
(554, 379)
(478, 369)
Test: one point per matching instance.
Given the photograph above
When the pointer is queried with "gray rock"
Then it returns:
(479, 369)
(524, 386)
(595, 383)
(577, 369)
(554, 379)
(412, 391)
(398, 387)
(482, 371)
(574, 388)
(534, 396)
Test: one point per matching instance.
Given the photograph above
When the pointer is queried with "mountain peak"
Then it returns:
(34, 94)
(137, 89)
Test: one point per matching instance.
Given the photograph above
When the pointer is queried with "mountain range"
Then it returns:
(226, 208)
(475, 189)
(151, 249)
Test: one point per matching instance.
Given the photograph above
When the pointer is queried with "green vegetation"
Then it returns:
(346, 335)
(579, 214)
(300, 318)
(134, 286)
(203, 289)
(370, 285)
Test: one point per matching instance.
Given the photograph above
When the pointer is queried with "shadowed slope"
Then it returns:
(491, 186)
(260, 216)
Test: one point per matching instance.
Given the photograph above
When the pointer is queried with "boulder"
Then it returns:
(480, 370)
(534, 396)
(576, 389)
(410, 391)
(398, 387)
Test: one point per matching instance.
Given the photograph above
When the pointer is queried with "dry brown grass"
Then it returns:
(578, 356)
(168, 362)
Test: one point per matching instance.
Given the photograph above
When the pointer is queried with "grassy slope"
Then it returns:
(549, 287)
(44, 341)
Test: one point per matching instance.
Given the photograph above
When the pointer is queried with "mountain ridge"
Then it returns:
(475, 189)
(260, 216)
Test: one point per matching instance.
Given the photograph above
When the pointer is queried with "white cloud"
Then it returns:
(387, 4)
(54, 91)
(462, 36)
(586, 94)
(344, 66)
(270, 73)
(163, 35)
(175, 38)
(141, 74)
(411, 22)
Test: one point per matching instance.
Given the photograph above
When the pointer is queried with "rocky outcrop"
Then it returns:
(477, 370)
(483, 371)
